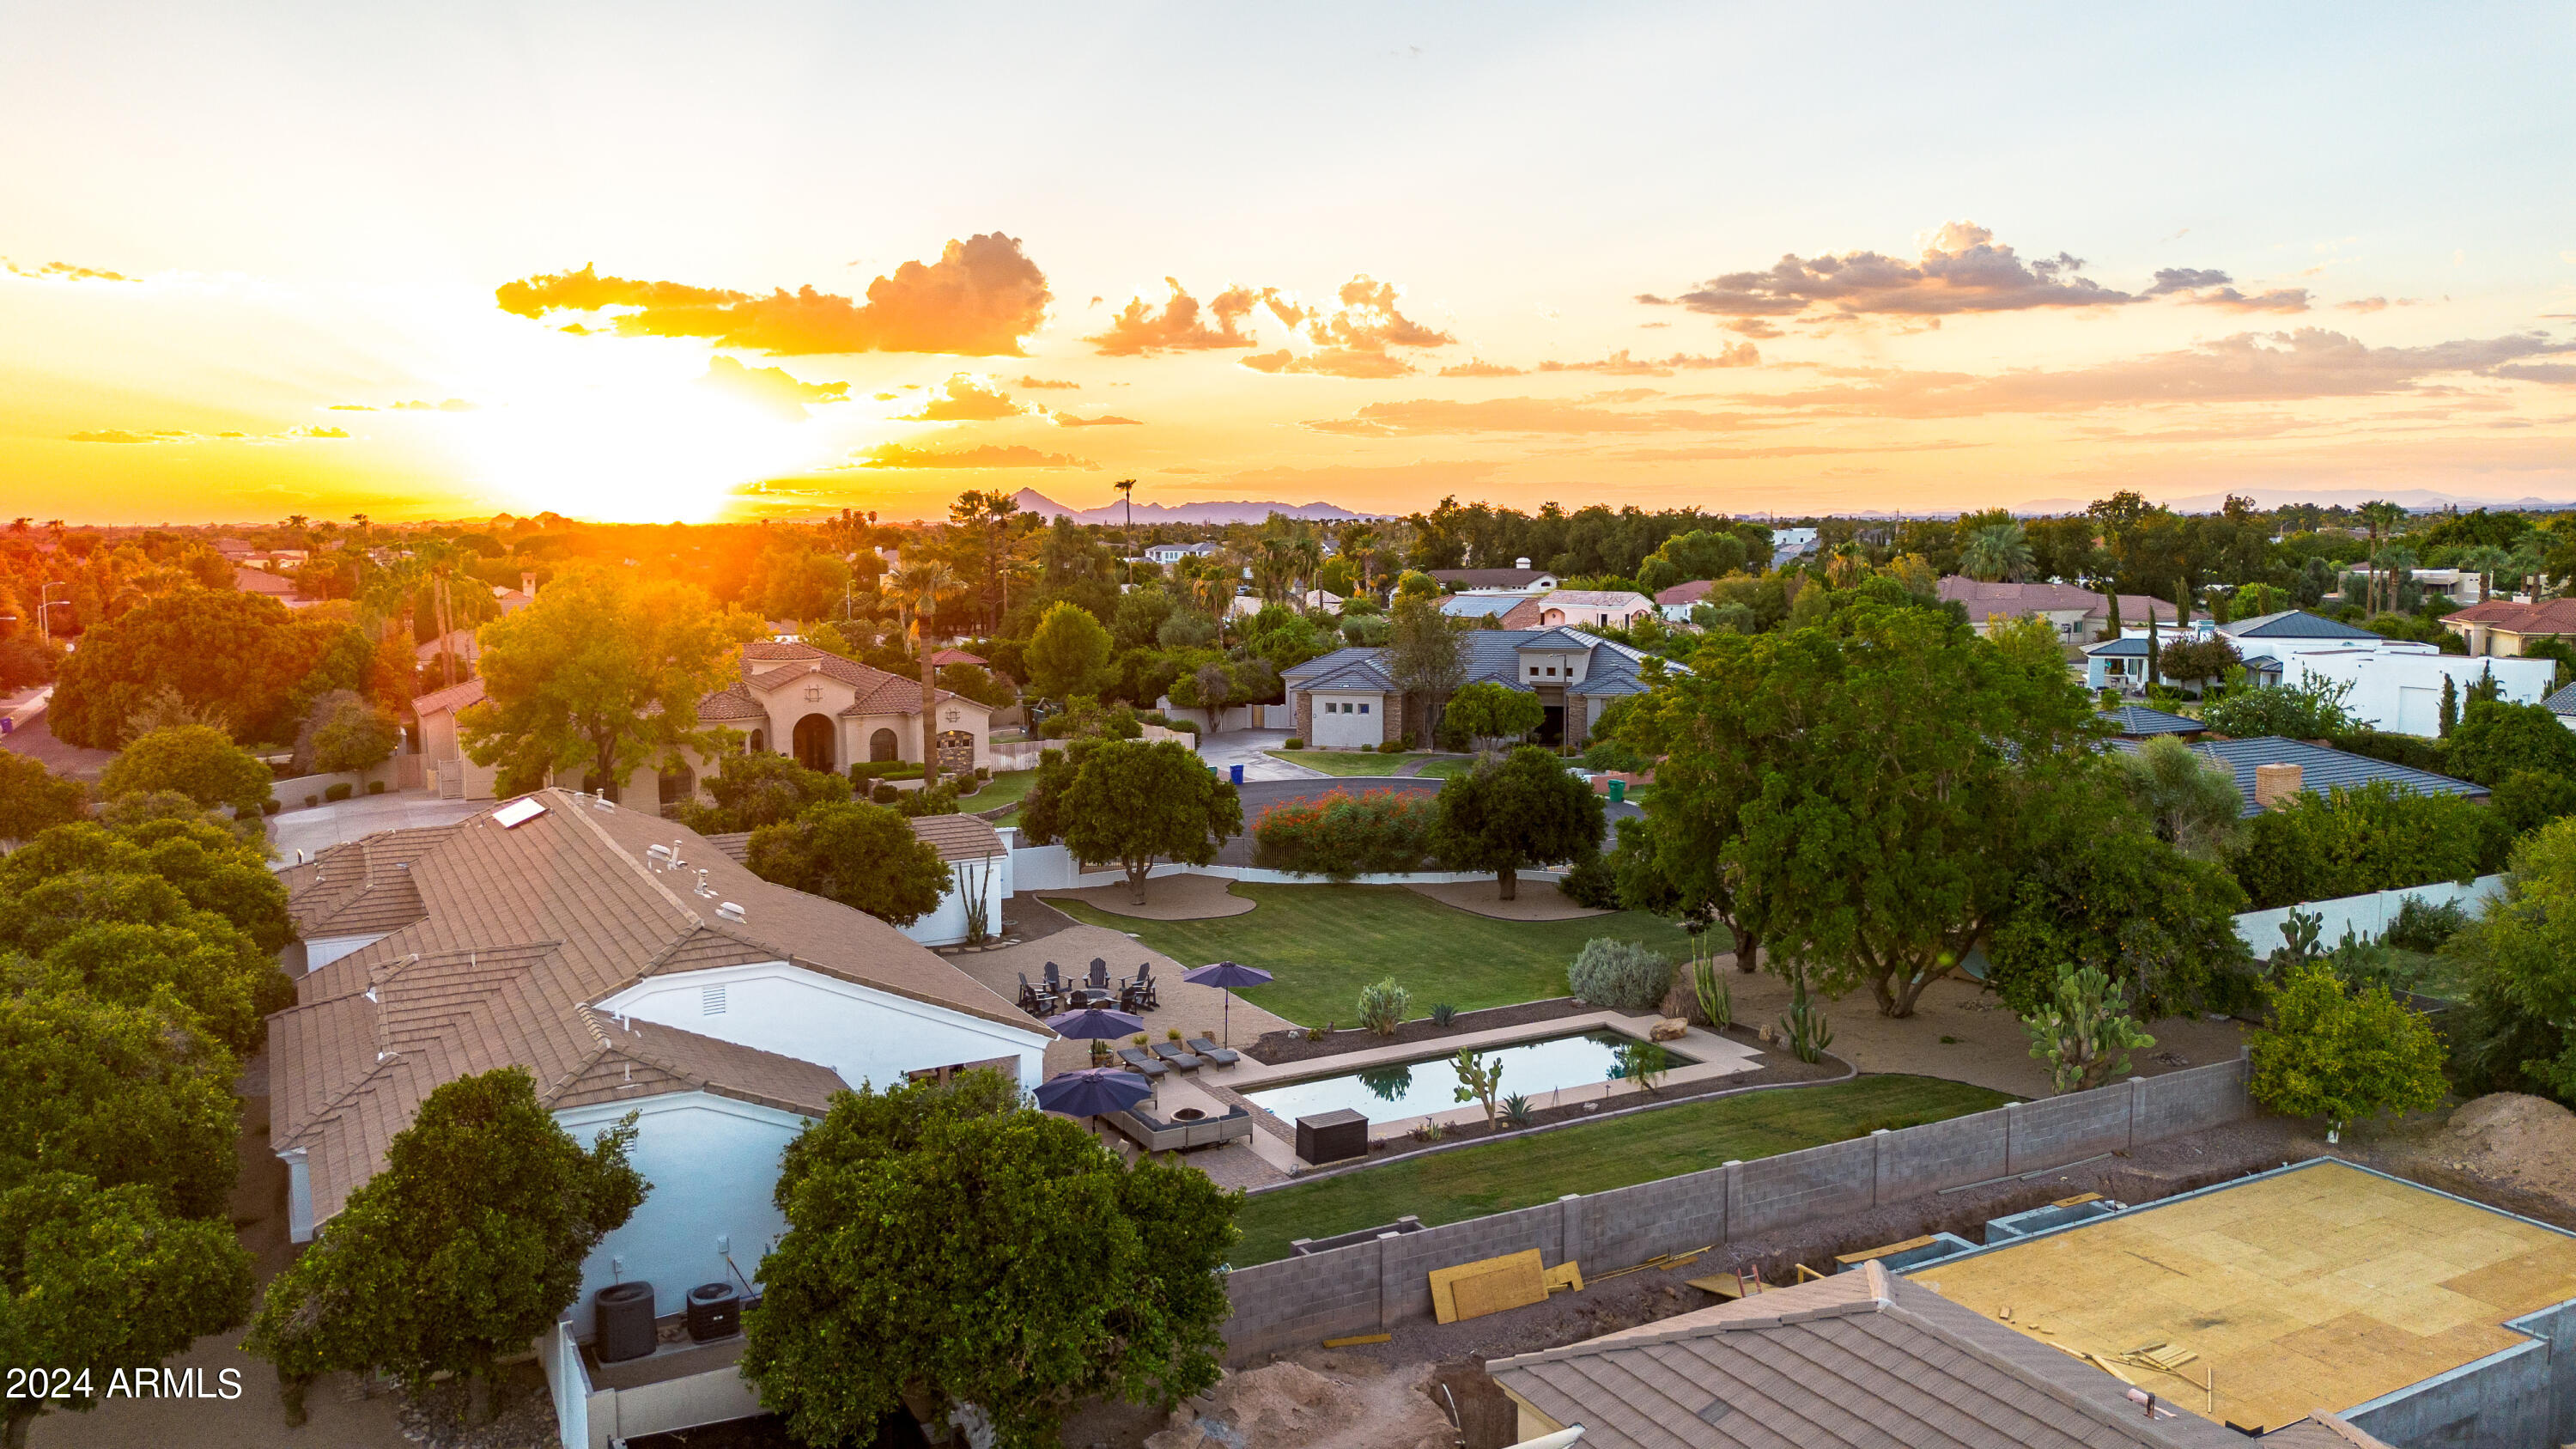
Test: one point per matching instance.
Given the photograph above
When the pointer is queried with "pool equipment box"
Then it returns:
(1332, 1136)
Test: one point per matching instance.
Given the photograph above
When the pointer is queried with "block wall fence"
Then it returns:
(1369, 1287)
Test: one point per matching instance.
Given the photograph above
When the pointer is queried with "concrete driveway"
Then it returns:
(1244, 747)
(32, 735)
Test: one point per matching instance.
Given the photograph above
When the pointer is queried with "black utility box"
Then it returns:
(1332, 1137)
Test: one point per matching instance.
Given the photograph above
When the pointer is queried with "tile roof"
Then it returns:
(260, 581)
(2293, 624)
(2319, 768)
(1491, 578)
(2550, 616)
(2137, 719)
(455, 696)
(2563, 702)
(1982, 599)
(732, 702)
(1689, 593)
(1860, 1358)
(361, 887)
(877, 692)
(519, 932)
(955, 837)
(1598, 599)
(1479, 606)
(1492, 654)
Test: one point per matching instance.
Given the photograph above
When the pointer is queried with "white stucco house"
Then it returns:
(1168, 554)
(793, 698)
(2396, 683)
(627, 965)
(1348, 700)
(979, 869)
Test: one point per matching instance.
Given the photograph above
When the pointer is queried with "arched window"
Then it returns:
(882, 747)
(759, 742)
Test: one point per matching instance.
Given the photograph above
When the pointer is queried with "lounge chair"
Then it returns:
(1136, 1057)
(1177, 1055)
(1222, 1056)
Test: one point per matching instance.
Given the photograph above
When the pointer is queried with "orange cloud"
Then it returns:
(1142, 331)
(66, 272)
(979, 299)
(965, 398)
(1349, 339)
(1960, 269)
(1036, 384)
(2207, 287)
(1479, 367)
(774, 390)
(1068, 420)
(991, 455)
(1331, 362)
(1620, 364)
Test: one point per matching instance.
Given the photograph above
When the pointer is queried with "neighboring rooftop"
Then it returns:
(1860, 1358)
(2293, 624)
(2319, 768)
(2563, 702)
(955, 837)
(2550, 616)
(1983, 600)
(2320, 1286)
(2136, 721)
(1522, 578)
(1480, 606)
(1492, 654)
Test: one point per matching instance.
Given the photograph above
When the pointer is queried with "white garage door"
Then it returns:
(1344, 722)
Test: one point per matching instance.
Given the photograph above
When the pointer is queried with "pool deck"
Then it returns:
(1711, 1056)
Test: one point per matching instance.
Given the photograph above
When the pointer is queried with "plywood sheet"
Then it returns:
(1444, 1303)
(1517, 1286)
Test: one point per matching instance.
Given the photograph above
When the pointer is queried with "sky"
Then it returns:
(679, 263)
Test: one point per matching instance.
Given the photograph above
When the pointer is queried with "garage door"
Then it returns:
(1347, 724)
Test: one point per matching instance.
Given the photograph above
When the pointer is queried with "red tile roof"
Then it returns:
(2550, 616)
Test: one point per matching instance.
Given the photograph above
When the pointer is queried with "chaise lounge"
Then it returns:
(1210, 1051)
(1178, 1055)
(1136, 1057)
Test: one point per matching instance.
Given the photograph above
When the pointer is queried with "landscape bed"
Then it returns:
(1520, 1170)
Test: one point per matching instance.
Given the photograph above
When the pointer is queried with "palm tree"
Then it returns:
(1996, 552)
(2528, 563)
(2486, 561)
(2395, 563)
(1359, 541)
(20, 523)
(1309, 551)
(2381, 515)
(1127, 545)
(917, 588)
(1276, 566)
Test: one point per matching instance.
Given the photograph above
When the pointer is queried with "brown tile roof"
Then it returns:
(519, 933)
(1983, 599)
(2550, 616)
(1861, 1358)
(734, 702)
(878, 692)
(1689, 593)
(455, 696)
(260, 581)
(958, 837)
(361, 887)
(1490, 578)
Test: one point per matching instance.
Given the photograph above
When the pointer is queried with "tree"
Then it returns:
(1343, 837)
(1512, 814)
(601, 675)
(864, 856)
(2343, 1057)
(1042, 810)
(2306, 711)
(1493, 714)
(947, 1246)
(1995, 552)
(1069, 653)
(100, 1281)
(468, 1244)
(2494, 739)
(209, 868)
(34, 799)
(123, 964)
(1424, 658)
(343, 732)
(119, 1094)
(2197, 661)
(1209, 689)
(754, 790)
(2191, 802)
(195, 760)
(1133, 802)
(2518, 959)
(242, 657)
(920, 588)
(2083, 1031)
(2345, 841)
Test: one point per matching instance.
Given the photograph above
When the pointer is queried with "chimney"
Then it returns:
(2276, 785)
(528, 585)
(1520, 563)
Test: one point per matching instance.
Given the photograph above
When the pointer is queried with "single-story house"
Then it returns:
(628, 965)
(2270, 769)
(275, 586)
(1481, 606)
(979, 865)
(1168, 554)
(2078, 614)
(1580, 608)
(1348, 700)
(2505, 627)
(1678, 601)
(2264, 641)
(793, 698)
(1520, 578)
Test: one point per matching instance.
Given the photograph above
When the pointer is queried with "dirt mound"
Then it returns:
(2508, 1136)
(1319, 1401)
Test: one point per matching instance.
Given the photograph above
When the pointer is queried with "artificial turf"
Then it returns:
(1523, 1171)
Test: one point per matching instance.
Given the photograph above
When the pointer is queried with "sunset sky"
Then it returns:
(661, 262)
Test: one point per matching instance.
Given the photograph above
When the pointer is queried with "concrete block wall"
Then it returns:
(2497, 1402)
(1370, 1286)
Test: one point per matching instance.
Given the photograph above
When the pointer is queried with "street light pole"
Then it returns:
(46, 603)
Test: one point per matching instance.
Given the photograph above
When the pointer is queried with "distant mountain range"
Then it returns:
(2417, 500)
(1227, 511)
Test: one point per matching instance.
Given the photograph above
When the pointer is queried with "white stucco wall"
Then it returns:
(2403, 692)
(946, 926)
(864, 1034)
(712, 1162)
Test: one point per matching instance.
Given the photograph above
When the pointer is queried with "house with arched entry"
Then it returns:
(793, 699)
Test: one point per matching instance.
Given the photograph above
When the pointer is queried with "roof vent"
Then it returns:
(657, 856)
(604, 805)
(1520, 563)
(730, 911)
(711, 1001)
(702, 888)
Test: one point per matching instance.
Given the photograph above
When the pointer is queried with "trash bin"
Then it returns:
(622, 1318)
(1236, 772)
(1618, 791)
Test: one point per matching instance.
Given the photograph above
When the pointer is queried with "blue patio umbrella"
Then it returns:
(1093, 1092)
(1229, 975)
(1096, 1023)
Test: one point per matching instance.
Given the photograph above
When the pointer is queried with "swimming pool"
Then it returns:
(1411, 1089)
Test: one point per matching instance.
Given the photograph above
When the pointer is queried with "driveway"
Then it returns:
(1260, 795)
(1244, 747)
(32, 735)
(308, 831)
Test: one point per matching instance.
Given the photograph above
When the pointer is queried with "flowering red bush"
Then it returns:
(1343, 836)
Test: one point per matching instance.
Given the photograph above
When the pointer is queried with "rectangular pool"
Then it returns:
(1412, 1089)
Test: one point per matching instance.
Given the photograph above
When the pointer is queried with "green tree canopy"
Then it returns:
(2518, 959)
(2307, 711)
(2494, 739)
(211, 869)
(1513, 814)
(121, 1094)
(243, 658)
(198, 761)
(131, 965)
(101, 1281)
(2190, 801)
(864, 856)
(2345, 841)
(754, 790)
(1069, 654)
(34, 799)
(343, 732)
(2344, 1056)
(1493, 715)
(1134, 803)
(601, 675)
(465, 1247)
(947, 1246)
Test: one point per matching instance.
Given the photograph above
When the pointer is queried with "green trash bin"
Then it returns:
(1618, 791)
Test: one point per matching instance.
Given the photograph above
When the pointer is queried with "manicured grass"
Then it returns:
(1325, 942)
(1343, 762)
(1001, 790)
(1523, 1171)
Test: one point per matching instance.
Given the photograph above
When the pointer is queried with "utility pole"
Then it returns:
(46, 603)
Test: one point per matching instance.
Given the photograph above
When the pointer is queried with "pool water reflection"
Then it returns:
(1412, 1089)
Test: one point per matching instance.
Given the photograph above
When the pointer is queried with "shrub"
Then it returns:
(1805, 1027)
(2413, 751)
(271, 807)
(2307, 711)
(885, 794)
(1382, 1006)
(1294, 743)
(1518, 1111)
(375, 787)
(1341, 836)
(2083, 1031)
(1716, 1001)
(1391, 747)
(2343, 1057)
(340, 791)
(1622, 975)
(312, 800)
(2348, 841)
(2422, 926)
(1592, 883)
(1443, 1014)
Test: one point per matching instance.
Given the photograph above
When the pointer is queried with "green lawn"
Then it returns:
(1343, 762)
(1523, 1171)
(1007, 789)
(1325, 942)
